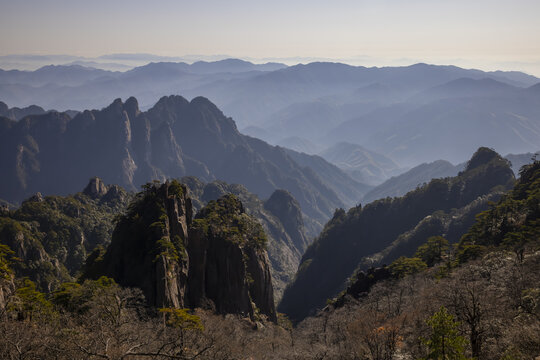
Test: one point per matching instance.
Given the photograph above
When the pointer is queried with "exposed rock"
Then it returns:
(148, 246)
(285, 244)
(229, 266)
(217, 261)
(95, 188)
(37, 197)
(285, 207)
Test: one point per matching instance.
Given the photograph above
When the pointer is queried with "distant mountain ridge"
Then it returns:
(17, 113)
(360, 163)
(401, 184)
(412, 114)
(128, 147)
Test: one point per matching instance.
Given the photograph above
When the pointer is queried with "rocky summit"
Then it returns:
(217, 260)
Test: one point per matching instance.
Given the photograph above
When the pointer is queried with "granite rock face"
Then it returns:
(95, 188)
(217, 260)
(281, 219)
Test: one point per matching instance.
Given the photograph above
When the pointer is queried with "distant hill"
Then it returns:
(410, 180)
(361, 164)
(449, 128)
(518, 160)
(17, 114)
(299, 144)
(346, 187)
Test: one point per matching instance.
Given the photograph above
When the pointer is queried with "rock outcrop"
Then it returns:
(217, 260)
(284, 206)
(147, 248)
(95, 188)
(280, 216)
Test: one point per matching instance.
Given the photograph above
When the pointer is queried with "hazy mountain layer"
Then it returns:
(17, 114)
(448, 122)
(361, 164)
(416, 177)
(55, 154)
(363, 231)
(412, 114)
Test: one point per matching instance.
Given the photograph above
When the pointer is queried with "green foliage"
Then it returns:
(6, 259)
(58, 233)
(182, 319)
(167, 249)
(433, 250)
(444, 343)
(407, 266)
(226, 218)
(76, 298)
(469, 252)
(176, 188)
(30, 303)
(514, 222)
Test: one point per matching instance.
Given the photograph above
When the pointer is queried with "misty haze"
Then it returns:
(300, 180)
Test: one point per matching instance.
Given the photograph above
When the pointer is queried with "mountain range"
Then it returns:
(398, 112)
(366, 235)
(56, 154)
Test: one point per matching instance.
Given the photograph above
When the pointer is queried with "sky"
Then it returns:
(489, 35)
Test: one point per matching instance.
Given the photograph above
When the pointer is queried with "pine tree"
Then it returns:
(445, 343)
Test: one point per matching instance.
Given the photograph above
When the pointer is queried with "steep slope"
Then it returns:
(56, 233)
(53, 235)
(348, 189)
(450, 224)
(488, 285)
(360, 163)
(514, 221)
(280, 215)
(360, 232)
(417, 176)
(53, 153)
(217, 260)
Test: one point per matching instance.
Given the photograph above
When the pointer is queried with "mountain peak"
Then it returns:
(95, 188)
(171, 100)
(481, 157)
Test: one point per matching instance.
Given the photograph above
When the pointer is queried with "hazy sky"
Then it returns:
(475, 33)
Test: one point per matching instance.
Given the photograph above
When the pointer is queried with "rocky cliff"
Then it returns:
(280, 216)
(217, 260)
